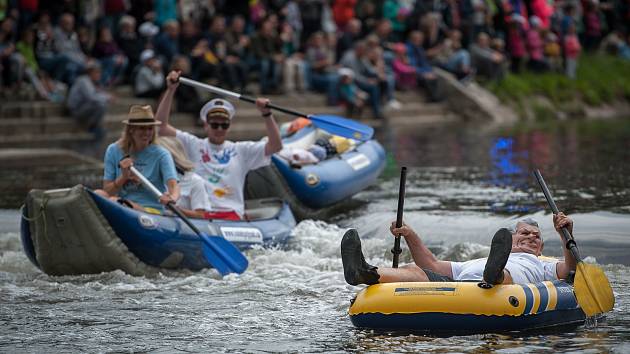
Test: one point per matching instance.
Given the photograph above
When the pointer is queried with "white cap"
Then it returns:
(148, 29)
(146, 55)
(345, 72)
(217, 106)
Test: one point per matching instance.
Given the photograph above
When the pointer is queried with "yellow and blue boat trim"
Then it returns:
(464, 306)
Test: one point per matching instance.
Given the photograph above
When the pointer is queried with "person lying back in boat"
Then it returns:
(136, 147)
(223, 164)
(193, 200)
(513, 259)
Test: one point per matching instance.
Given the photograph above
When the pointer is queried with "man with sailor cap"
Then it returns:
(222, 163)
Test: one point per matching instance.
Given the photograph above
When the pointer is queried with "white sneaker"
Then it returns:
(394, 104)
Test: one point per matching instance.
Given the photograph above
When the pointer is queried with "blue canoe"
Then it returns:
(314, 190)
(74, 231)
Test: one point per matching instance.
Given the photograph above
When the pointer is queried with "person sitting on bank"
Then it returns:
(222, 163)
(136, 147)
(513, 259)
(193, 200)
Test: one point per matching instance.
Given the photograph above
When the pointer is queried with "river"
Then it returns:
(464, 182)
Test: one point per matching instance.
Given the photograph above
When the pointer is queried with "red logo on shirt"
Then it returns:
(205, 157)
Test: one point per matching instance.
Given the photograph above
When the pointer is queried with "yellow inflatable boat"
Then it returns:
(465, 307)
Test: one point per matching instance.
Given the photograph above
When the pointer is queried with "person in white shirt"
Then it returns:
(193, 199)
(513, 259)
(223, 164)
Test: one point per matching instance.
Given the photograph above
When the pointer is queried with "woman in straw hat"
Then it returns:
(136, 147)
(193, 200)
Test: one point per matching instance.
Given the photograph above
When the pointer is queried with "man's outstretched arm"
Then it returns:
(563, 268)
(166, 102)
(422, 256)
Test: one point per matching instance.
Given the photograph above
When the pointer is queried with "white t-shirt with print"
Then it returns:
(193, 194)
(224, 168)
(523, 267)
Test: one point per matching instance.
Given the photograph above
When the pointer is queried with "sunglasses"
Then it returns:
(215, 125)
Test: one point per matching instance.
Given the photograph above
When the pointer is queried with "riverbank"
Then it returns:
(601, 90)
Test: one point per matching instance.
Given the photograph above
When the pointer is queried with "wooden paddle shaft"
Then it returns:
(568, 239)
(399, 215)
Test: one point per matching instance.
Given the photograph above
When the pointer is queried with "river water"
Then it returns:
(464, 182)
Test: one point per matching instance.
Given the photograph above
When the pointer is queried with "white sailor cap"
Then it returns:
(218, 107)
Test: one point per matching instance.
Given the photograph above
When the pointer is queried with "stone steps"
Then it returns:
(40, 124)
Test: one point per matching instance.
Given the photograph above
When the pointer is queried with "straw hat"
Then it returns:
(141, 115)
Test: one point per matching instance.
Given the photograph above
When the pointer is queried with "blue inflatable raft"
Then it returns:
(74, 231)
(314, 190)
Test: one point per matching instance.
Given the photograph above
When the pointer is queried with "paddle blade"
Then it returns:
(223, 255)
(344, 127)
(592, 289)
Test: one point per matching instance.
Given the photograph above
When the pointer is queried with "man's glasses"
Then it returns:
(215, 125)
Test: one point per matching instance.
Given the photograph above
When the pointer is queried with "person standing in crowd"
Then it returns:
(223, 164)
(572, 50)
(87, 102)
(137, 147)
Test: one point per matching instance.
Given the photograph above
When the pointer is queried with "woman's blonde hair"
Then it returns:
(176, 149)
(126, 141)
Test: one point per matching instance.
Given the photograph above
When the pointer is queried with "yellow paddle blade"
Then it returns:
(592, 289)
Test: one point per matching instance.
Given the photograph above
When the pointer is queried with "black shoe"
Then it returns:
(355, 268)
(498, 257)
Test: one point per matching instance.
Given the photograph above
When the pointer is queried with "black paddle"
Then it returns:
(592, 289)
(219, 252)
(399, 215)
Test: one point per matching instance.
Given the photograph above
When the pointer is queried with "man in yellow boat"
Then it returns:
(513, 259)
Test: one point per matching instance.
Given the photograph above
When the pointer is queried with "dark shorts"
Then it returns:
(433, 276)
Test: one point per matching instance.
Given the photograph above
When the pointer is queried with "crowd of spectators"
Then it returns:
(289, 46)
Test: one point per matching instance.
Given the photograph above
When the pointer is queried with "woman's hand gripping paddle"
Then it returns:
(399, 215)
(219, 252)
(336, 125)
(592, 289)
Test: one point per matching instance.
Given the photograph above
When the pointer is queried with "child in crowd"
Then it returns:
(552, 51)
(350, 93)
(572, 51)
(535, 46)
(404, 72)
(149, 81)
(516, 44)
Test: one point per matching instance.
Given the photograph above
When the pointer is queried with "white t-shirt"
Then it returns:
(224, 168)
(523, 267)
(193, 194)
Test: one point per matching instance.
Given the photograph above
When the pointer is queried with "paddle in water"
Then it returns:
(399, 216)
(220, 253)
(591, 286)
(336, 125)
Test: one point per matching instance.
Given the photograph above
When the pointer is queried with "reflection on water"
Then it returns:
(585, 163)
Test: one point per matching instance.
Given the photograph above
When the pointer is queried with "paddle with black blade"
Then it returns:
(219, 252)
(336, 125)
(399, 215)
(592, 289)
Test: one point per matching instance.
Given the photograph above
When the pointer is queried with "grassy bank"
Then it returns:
(600, 79)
